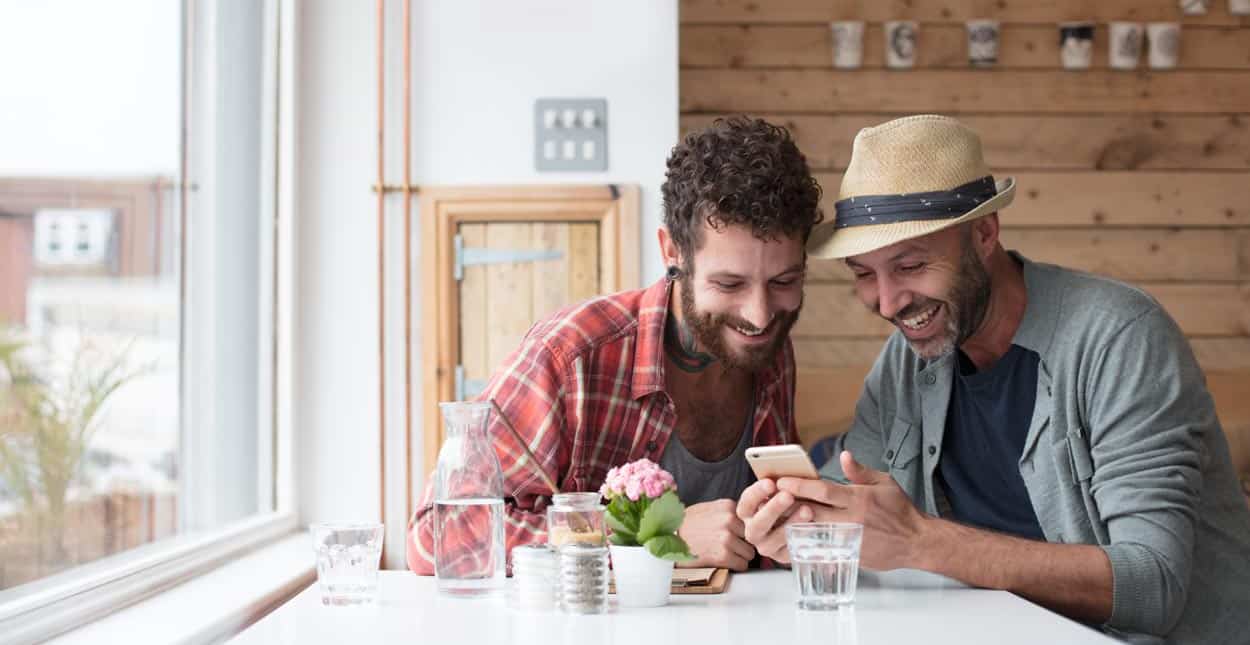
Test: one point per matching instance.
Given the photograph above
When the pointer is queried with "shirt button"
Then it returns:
(651, 446)
(889, 454)
(932, 450)
(930, 379)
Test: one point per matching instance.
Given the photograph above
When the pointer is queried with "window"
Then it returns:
(139, 282)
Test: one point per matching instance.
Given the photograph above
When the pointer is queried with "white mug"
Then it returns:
(982, 42)
(1194, 7)
(1076, 44)
(900, 44)
(848, 43)
(1239, 7)
(1124, 49)
(1165, 44)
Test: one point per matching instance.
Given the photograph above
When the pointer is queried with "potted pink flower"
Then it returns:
(644, 514)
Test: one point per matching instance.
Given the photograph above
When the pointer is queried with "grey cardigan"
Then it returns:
(1124, 451)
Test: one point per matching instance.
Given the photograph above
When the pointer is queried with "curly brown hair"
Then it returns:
(739, 170)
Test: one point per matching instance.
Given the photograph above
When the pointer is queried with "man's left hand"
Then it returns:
(892, 523)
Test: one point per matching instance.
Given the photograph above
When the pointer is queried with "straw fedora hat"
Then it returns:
(907, 178)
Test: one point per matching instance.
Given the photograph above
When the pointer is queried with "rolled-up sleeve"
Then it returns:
(1148, 410)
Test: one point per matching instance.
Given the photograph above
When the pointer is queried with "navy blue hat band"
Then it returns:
(870, 210)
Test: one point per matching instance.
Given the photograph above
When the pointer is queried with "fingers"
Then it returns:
(856, 472)
(817, 490)
(767, 516)
(755, 495)
(742, 549)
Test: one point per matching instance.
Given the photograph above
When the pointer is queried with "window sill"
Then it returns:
(213, 606)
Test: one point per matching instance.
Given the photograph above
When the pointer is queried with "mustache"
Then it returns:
(778, 319)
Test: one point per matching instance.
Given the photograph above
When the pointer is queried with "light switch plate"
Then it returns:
(571, 134)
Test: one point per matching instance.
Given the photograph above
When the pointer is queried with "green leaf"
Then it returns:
(620, 528)
(619, 508)
(662, 517)
(669, 547)
(622, 521)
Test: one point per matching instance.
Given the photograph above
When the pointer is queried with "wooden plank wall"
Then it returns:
(1144, 176)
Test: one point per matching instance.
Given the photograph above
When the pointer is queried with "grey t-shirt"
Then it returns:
(704, 481)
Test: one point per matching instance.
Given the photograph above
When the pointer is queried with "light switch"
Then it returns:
(570, 134)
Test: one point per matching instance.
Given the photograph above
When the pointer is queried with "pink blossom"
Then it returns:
(637, 478)
(633, 490)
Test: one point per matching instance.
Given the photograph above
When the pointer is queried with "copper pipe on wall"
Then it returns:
(381, 63)
(407, 257)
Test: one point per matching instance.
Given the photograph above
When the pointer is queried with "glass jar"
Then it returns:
(575, 517)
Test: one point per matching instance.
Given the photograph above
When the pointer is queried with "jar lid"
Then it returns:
(576, 501)
(533, 553)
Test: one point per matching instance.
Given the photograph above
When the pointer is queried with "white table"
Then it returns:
(896, 607)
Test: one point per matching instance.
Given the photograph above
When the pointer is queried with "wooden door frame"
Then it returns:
(443, 208)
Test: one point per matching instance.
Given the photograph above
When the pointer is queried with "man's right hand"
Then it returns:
(716, 536)
(764, 511)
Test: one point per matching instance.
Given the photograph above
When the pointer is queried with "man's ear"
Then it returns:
(985, 234)
(668, 248)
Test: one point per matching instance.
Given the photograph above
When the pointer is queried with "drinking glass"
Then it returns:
(825, 559)
(348, 556)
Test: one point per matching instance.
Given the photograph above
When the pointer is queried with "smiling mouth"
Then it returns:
(754, 334)
(920, 320)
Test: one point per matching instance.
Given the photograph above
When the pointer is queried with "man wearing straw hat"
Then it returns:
(688, 372)
(1027, 427)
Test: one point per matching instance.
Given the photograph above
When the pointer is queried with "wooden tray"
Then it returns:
(717, 583)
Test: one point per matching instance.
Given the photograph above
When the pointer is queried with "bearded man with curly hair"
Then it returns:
(688, 372)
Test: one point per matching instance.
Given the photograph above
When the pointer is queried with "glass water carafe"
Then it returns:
(469, 551)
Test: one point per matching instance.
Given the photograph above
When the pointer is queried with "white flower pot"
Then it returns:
(642, 580)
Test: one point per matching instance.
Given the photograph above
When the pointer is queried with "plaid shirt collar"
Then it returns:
(649, 356)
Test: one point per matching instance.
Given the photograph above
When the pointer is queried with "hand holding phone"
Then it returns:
(772, 462)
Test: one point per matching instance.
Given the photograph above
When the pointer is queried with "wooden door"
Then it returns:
(527, 271)
(496, 260)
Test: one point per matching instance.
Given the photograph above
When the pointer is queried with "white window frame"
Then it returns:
(70, 599)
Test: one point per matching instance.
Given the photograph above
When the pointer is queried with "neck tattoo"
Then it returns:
(680, 346)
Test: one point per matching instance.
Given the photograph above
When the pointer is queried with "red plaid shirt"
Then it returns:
(586, 391)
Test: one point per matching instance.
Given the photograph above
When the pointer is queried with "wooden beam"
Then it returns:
(832, 310)
(1009, 11)
(1113, 199)
(951, 91)
(1077, 142)
(939, 46)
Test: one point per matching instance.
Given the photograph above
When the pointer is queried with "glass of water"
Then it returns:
(825, 559)
(348, 556)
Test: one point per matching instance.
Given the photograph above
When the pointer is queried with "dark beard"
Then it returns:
(970, 296)
(707, 329)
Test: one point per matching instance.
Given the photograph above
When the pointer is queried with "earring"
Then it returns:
(673, 273)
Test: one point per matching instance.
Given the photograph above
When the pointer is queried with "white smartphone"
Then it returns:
(790, 460)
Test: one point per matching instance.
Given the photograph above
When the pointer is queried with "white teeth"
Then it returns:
(748, 333)
(920, 321)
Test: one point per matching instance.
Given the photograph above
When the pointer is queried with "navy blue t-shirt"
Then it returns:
(986, 425)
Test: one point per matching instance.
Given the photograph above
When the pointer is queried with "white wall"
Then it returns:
(89, 87)
(478, 65)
